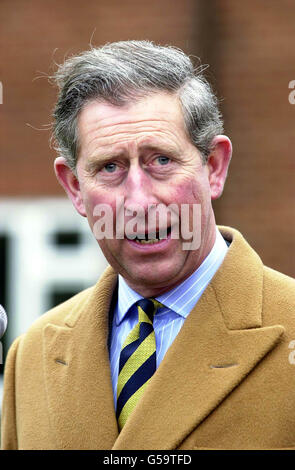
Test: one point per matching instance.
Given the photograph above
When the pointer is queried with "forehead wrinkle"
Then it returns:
(102, 134)
(133, 145)
(109, 127)
(133, 130)
(116, 130)
(103, 123)
(103, 118)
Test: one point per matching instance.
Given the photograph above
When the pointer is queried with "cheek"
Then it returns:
(201, 190)
(94, 198)
(94, 202)
(189, 192)
(194, 191)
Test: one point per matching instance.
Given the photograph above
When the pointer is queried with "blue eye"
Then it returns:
(163, 160)
(110, 167)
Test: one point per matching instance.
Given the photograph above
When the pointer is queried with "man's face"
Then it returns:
(141, 153)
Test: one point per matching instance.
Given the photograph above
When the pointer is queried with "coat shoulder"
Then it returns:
(31, 340)
(68, 311)
(58, 315)
(279, 283)
(279, 297)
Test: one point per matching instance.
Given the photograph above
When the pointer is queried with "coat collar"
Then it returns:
(219, 344)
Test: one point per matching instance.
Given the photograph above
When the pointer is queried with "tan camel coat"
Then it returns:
(227, 381)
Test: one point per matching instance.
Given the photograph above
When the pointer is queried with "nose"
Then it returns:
(139, 189)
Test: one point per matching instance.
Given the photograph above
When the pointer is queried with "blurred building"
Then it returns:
(46, 250)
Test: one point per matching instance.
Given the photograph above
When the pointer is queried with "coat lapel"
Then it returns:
(219, 344)
(77, 374)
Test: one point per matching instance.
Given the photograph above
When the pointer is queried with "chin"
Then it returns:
(155, 278)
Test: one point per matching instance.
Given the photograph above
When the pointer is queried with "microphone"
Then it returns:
(3, 321)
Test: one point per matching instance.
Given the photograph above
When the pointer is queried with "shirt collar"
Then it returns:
(183, 297)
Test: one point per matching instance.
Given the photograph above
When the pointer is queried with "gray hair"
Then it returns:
(123, 72)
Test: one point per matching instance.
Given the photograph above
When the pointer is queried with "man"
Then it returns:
(184, 343)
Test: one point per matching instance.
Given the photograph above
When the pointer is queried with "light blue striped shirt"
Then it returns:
(168, 320)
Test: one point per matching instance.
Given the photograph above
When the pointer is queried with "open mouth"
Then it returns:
(152, 238)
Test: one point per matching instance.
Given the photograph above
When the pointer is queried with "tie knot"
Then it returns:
(149, 306)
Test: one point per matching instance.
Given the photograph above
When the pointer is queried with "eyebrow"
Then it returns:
(96, 161)
(106, 157)
(167, 148)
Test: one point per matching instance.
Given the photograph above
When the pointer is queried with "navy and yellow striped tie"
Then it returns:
(137, 360)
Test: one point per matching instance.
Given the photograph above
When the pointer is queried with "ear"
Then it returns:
(218, 163)
(70, 183)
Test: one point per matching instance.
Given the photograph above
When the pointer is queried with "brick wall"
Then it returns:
(250, 48)
(254, 63)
